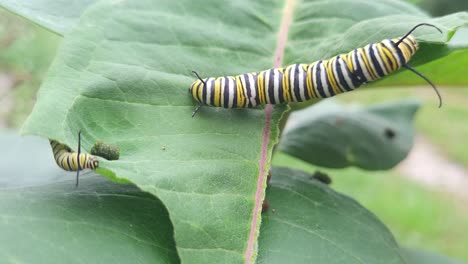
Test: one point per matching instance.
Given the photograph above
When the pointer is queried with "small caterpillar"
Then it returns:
(73, 161)
(301, 82)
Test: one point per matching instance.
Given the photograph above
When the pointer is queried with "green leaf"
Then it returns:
(460, 39)
(322, 29)
(122, 76)
(58, 16)
(332, 135)
(416, 256)
(307, 222)
(45, 219)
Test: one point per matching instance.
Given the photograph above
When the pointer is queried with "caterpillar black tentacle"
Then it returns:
(301, 82)
(73, 161)
(204, 85)
(407, 66)
(414, 28)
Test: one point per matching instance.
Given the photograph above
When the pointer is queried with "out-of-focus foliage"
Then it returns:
(26, 50)
(442, 7)
(335, 136)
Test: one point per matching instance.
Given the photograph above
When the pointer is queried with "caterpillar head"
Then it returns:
(197, 86)
(408, 42)
(407, 46)
(93, 162)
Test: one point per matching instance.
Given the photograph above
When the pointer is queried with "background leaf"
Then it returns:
(332, 135)
(45, 219)
(307, 222)
(415, 256)
(58, 16)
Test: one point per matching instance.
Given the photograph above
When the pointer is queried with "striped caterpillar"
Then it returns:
(73, 161)
(320, 79)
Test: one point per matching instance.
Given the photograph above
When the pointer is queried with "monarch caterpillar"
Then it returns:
(320, 79)
(73, 161)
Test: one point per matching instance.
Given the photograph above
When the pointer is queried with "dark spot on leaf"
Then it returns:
(389, 133)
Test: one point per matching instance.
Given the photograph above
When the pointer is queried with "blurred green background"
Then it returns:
(420, 210)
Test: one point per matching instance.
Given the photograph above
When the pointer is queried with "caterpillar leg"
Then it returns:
(197, 109)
